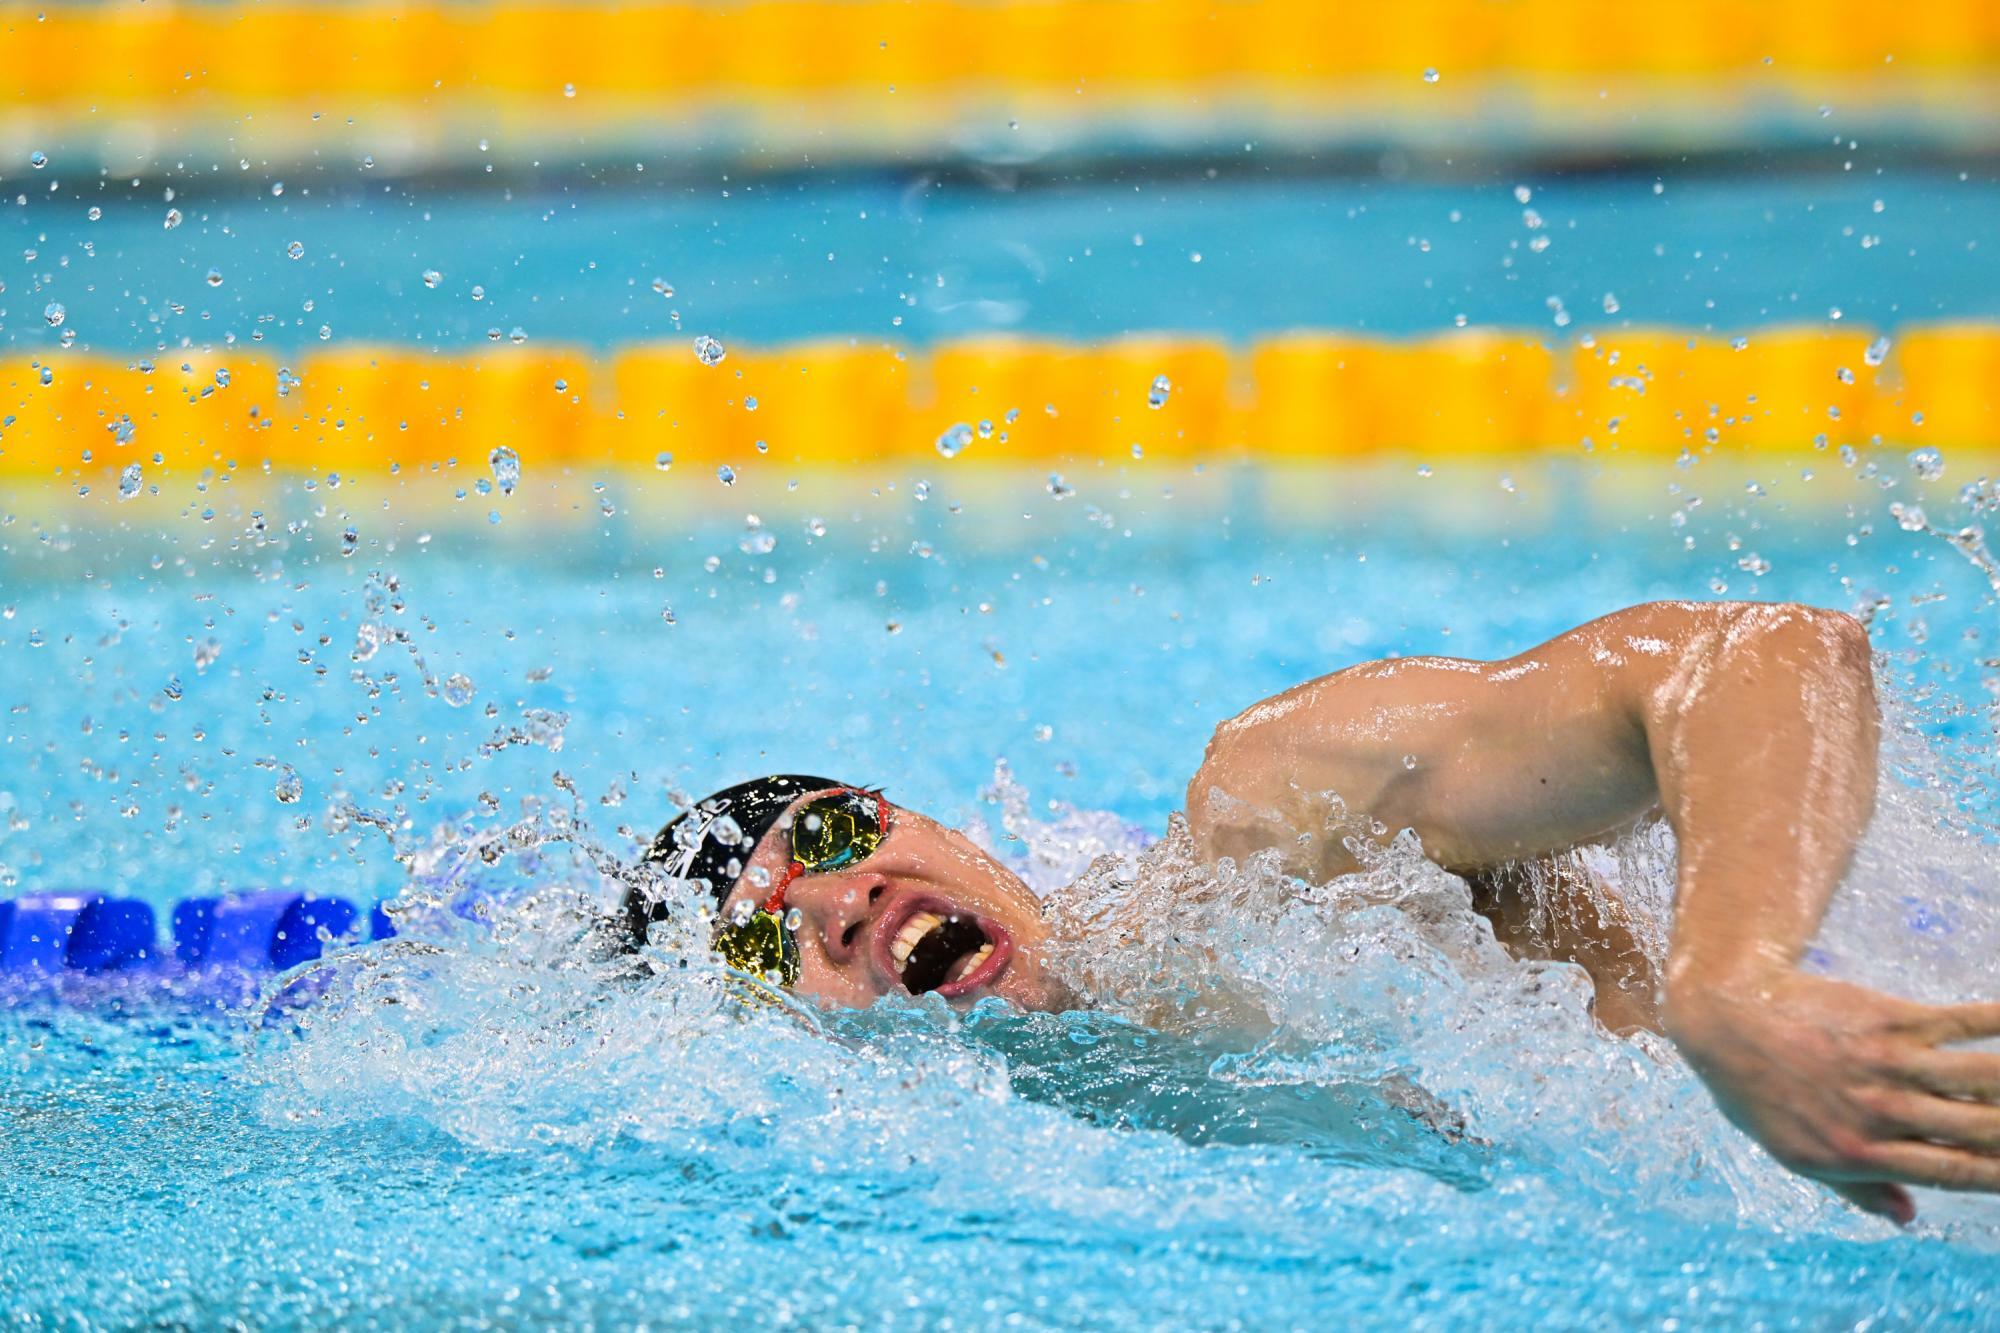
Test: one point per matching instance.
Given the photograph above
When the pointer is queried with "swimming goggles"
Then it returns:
(832, 832)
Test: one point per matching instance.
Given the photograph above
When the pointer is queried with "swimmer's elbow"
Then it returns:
(1796, 634)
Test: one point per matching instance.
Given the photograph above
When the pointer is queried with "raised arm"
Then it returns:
(1753, 729)
(1764, 743)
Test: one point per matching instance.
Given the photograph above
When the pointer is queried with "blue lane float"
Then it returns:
(85, 931)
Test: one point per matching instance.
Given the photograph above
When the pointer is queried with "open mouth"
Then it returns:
(937, 948)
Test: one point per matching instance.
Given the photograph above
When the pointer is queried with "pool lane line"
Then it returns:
(1310, 395)
(82, 930)
(427, 81)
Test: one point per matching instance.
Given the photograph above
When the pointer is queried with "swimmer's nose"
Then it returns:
(837, 908)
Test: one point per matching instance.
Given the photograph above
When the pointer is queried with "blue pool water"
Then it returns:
(913, 257)
(475, 1126)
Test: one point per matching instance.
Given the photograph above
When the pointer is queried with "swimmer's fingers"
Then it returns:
(1967, 1074)
(1937, 1165)
(1943, 1120)
(1955, 1022)
(1890, 1201)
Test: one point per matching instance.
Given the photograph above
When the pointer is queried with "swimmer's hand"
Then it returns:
(1856, 1089)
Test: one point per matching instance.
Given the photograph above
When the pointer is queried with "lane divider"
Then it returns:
(240, 54)
(86, 931)
(1310, 394)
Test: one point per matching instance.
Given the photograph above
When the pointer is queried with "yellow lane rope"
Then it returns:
(417, 79)
(1300, 396)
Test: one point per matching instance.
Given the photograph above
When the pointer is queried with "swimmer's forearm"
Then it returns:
(1765, 749)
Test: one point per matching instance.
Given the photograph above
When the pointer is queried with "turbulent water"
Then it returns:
(1279, 1103)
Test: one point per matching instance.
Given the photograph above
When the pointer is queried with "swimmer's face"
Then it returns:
(926, 911)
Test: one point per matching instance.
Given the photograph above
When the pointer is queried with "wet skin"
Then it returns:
(849, 919)
(1752, 729)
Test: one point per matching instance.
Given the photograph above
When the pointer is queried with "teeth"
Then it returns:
(918, 926)
(969, 964)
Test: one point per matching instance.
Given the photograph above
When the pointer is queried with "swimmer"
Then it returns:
(1751, 729)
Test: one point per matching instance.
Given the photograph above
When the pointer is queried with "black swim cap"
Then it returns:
(710, 843)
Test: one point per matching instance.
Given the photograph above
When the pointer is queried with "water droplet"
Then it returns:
(222, 377)
(287, 381)
(296, 250)
(709, 351)
(173, 219)
(1737, 344)
(663, 461)
(350, 542)
(569, 90)
(664, 288)
(1522, 194)
(277, 189)
(749, 404)
(517, 335)
(457, 689)
(38, 159)
(214, 278)
(506, 465)
(667, 615)
(130, 480)
(1610, 303)
(755, 540)
(1844, 375)
(95, 213)
(288, 789)
(1928, 464)
(1430, 76)
(1909, 517)
(432, 277)
(47, 375)
(478, 292)
(955, 438)
(1877, 353)
(1409, 761)
(54, 313)
(922, 490)
(1156, 397)
(794, 919)
(741, 912)
(726, 475)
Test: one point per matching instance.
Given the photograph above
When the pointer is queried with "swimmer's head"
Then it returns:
(837, 894)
